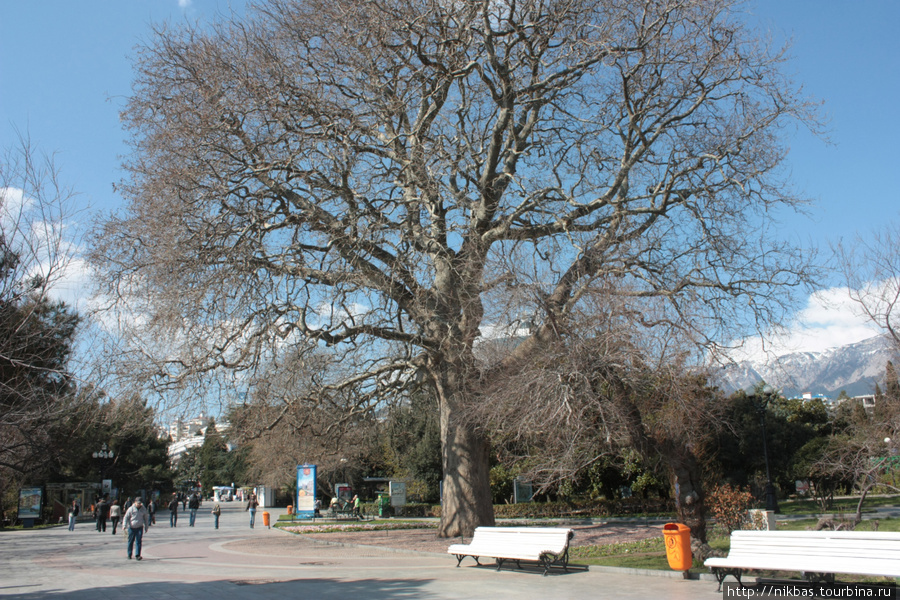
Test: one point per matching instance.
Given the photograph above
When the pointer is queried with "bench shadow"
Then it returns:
(532, 568)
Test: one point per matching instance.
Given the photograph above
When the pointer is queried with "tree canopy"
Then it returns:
(384, 182)
(37, 331)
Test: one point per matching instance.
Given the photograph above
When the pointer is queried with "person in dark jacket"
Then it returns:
(173, 511)
(101, 513)
(194, 504)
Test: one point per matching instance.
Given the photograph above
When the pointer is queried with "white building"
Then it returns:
(190, 434)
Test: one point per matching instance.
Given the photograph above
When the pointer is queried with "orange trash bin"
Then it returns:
(266, 518)
(678, 546)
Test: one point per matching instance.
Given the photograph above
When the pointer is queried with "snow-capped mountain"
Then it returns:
(854, 368)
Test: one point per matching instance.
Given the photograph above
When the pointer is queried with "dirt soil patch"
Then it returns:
(426, 540)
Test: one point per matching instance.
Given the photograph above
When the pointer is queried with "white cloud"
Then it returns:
(12, 201)
(830, 319)
(73, 285)
(347, 313)
(183, 4)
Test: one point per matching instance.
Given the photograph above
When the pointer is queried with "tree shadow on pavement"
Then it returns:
(324, 588)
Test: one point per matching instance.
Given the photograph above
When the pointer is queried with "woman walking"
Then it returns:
(115, 513)
(251, 506)
(73, 514)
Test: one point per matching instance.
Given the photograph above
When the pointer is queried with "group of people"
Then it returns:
(191, 501)
(108, 510)
(137, 518)
(337, 505)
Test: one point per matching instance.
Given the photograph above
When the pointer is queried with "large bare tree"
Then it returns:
(871, 268)
(393, 178)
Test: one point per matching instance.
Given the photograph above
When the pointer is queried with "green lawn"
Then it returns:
(645, 554)
(650, 553)
(845, 505)
(887, 524)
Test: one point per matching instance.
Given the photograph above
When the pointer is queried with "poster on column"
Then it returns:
(30, 500)
(306, 491)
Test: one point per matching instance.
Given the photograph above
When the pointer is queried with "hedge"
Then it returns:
(582, 508)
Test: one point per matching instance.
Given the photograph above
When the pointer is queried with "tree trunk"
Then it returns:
(689, 497)
(466, 499)
(857, 518)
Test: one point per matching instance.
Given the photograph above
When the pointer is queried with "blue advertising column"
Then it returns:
(305, 508)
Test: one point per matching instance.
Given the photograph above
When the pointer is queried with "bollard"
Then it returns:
(266, 518)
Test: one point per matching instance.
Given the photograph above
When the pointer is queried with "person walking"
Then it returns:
(101, 511)
(151, 510)
(173, 511)
(73, 514)
(137, 521)
(217, 512)
(125, 508)
(252, 503)
(115, 513)
(356, 506)
(193, 504)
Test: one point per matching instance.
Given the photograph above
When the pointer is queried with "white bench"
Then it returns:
(545, 545)
(816, 554)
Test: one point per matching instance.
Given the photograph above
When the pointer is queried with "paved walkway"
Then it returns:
(238, 562)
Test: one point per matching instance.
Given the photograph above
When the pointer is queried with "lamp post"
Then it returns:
(762, 396)
(104, 456)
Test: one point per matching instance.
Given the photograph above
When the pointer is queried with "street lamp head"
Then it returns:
(759, 389)
(103, 452)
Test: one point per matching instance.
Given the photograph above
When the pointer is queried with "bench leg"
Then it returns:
(459, 558)
(721, 573)
(546, 562)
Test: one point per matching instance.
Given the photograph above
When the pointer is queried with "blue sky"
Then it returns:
(65, 72)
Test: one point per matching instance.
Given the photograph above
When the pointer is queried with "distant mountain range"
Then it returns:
(854, 368)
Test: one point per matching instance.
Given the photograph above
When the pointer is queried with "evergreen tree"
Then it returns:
(891, 384)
